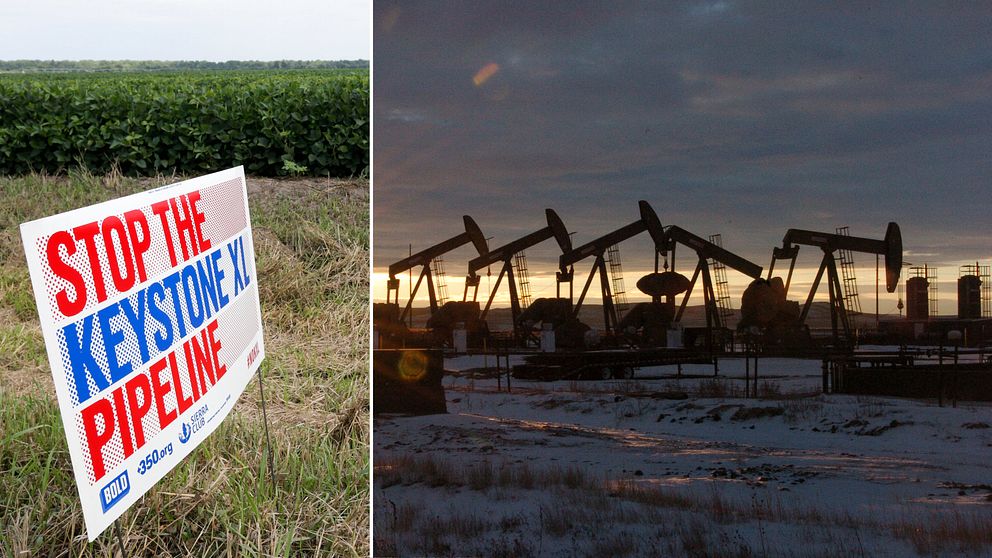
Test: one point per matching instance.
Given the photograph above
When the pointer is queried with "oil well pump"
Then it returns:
(653, 319)
(389, 321)
(706, 251)
(648, 222)
(514, 266)
(763, 300)
(424, 258)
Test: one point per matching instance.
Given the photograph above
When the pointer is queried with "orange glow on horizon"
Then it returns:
(542, 284)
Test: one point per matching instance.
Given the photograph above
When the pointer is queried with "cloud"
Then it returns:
(731, 117)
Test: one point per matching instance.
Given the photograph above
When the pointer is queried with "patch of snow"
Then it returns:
(864, 463)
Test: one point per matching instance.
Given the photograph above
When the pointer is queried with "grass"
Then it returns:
(311, 243)
(805, 409)
(406, 469)
(962, 533)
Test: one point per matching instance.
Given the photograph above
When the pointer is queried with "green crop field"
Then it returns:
(311, 238)
(275, 123)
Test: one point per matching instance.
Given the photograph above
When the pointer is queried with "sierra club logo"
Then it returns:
(185, 434)
(196, 422)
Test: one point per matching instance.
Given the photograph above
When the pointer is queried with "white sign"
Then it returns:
(150, 314)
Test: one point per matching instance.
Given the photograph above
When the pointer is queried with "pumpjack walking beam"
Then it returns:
(890, 247)
(555, 229)
(706, 250)
(423, 258)
(648, 222)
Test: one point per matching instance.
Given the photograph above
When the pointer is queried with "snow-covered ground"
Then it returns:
(625, 467)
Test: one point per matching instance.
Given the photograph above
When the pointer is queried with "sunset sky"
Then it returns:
(736, 118)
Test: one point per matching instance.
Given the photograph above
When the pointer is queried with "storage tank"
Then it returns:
(917, 303)
(969, 297)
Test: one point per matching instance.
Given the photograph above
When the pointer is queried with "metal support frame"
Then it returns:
(425, 258)
(890, 247)
(426, 272)
(505, 254)
(610, 318)
(709, 299)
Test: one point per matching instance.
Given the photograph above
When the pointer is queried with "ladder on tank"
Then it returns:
(984, 290)
(930, 272)
(522, 278)
(983, 275)
(725, 309)
(616, 275)
(849, 280)
(440, 284)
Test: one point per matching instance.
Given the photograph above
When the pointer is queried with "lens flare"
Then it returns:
(412, 366)
(483, 75)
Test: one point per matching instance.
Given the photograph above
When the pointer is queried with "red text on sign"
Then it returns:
(184, 213)
(124, 243)
(121, 414)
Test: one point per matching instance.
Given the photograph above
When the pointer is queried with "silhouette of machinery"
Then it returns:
(648, 222)
(507, 255)
(653, 319)
(766, 312)
(765, 307)
(704, 250)
(391, 323)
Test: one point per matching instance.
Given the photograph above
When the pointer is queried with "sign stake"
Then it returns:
(120, 542)
(268, 441)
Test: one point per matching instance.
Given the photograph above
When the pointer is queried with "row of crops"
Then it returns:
(273, 123)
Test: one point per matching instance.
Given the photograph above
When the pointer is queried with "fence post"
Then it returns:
(747, 373)
(954, 380)
(499, 369)
(509, 388)
(940, 386)
(824, 369)
(756, 374)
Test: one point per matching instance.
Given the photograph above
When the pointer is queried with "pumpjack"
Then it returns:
(506, 254)
(648, 222)
(705, 250)
(388, 319)
(657, 315)
(764, 295)
(647, 325)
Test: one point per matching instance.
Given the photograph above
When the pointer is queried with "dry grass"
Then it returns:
(406, 469)
(311, 242)
(718, 388)
(807, 409)
(936, 533)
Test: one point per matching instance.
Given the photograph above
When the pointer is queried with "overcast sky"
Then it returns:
(729, 117)
(214, 30)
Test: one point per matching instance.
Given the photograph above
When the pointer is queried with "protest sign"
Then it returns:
(150, 314)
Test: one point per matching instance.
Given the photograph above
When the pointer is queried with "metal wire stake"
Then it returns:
(268, 442)
(120, 542)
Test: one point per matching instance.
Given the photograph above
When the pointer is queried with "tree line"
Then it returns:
(26, 66)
